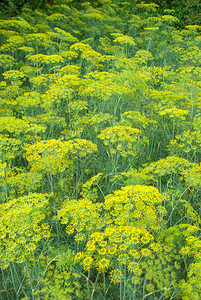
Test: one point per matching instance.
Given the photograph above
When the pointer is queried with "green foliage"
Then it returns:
(100, 148)
(12, 5)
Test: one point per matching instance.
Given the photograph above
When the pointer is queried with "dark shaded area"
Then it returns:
(18, 4)
(187, 11)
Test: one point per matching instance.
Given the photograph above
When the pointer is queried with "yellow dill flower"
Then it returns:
(123, 258)
(121, 136)
(145, 239)
(135, 280)
(102, 251)
(70, 229)
(134, 268)
(36, 237)
(46, 234)
(135, 254)
(112, 249)
(103, 244)
(97, 236)
(156, 247)
(123, 247)
(12, 235)
(118, 239)
(28, 233)
(87, 262)
(79, 256)
(144, 265)
(91, 246)
(11, 246)
(22, 240)
(185, 250)
(30, 247)
(45, 226)
(146, 252)
(116, 276)
(4, 265)
(110, 231)
(150, 287)
(103, 264)
(2, 235)
(80, 237)
(112, 151)
(21, 259)
(134, 240)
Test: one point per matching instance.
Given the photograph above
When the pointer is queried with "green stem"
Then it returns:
(30, 281)
(193, 104)
(5, 185)
(144, 285)
(54, 203)
(151, 293)
(104, 285)
(13, 280)
(129, 208)
(95, 286)
(45, 272)
(88, 286)
(124, 291)
(4, 280)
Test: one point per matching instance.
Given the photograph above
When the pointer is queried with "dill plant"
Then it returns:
(99, 153)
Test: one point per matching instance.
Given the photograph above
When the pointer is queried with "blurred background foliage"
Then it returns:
(187, 11)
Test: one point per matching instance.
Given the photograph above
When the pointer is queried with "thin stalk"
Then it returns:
(193, 104)
(144, 285)
(6, 290)
(19, 280)
(186, 267)
(21, 288)
(94, 288)
(5, 185)
(124, 291)
(119, 99)
(13, 280)
(44, 272)
(151, 293)
(104, 285)
(121, 290)
(129, 207)
(173, 131)
(121, 287)
(108, 288)
(54, 203)
(30, 281)
(88, 286)
(173, 207)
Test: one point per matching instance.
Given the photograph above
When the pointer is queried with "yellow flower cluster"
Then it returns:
(45, 59)
(175, 113)
(123, 39)
(87, 190)
(123, 138)
(139, 205)
(168, 165)
(102, 85)
(116, 244)
(135, 118)
(13, 75)
(81, 217)
(53, 155)
(65, 36)
(22, 227)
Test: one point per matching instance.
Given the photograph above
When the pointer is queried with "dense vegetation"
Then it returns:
(100, 146)
(188, 11)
